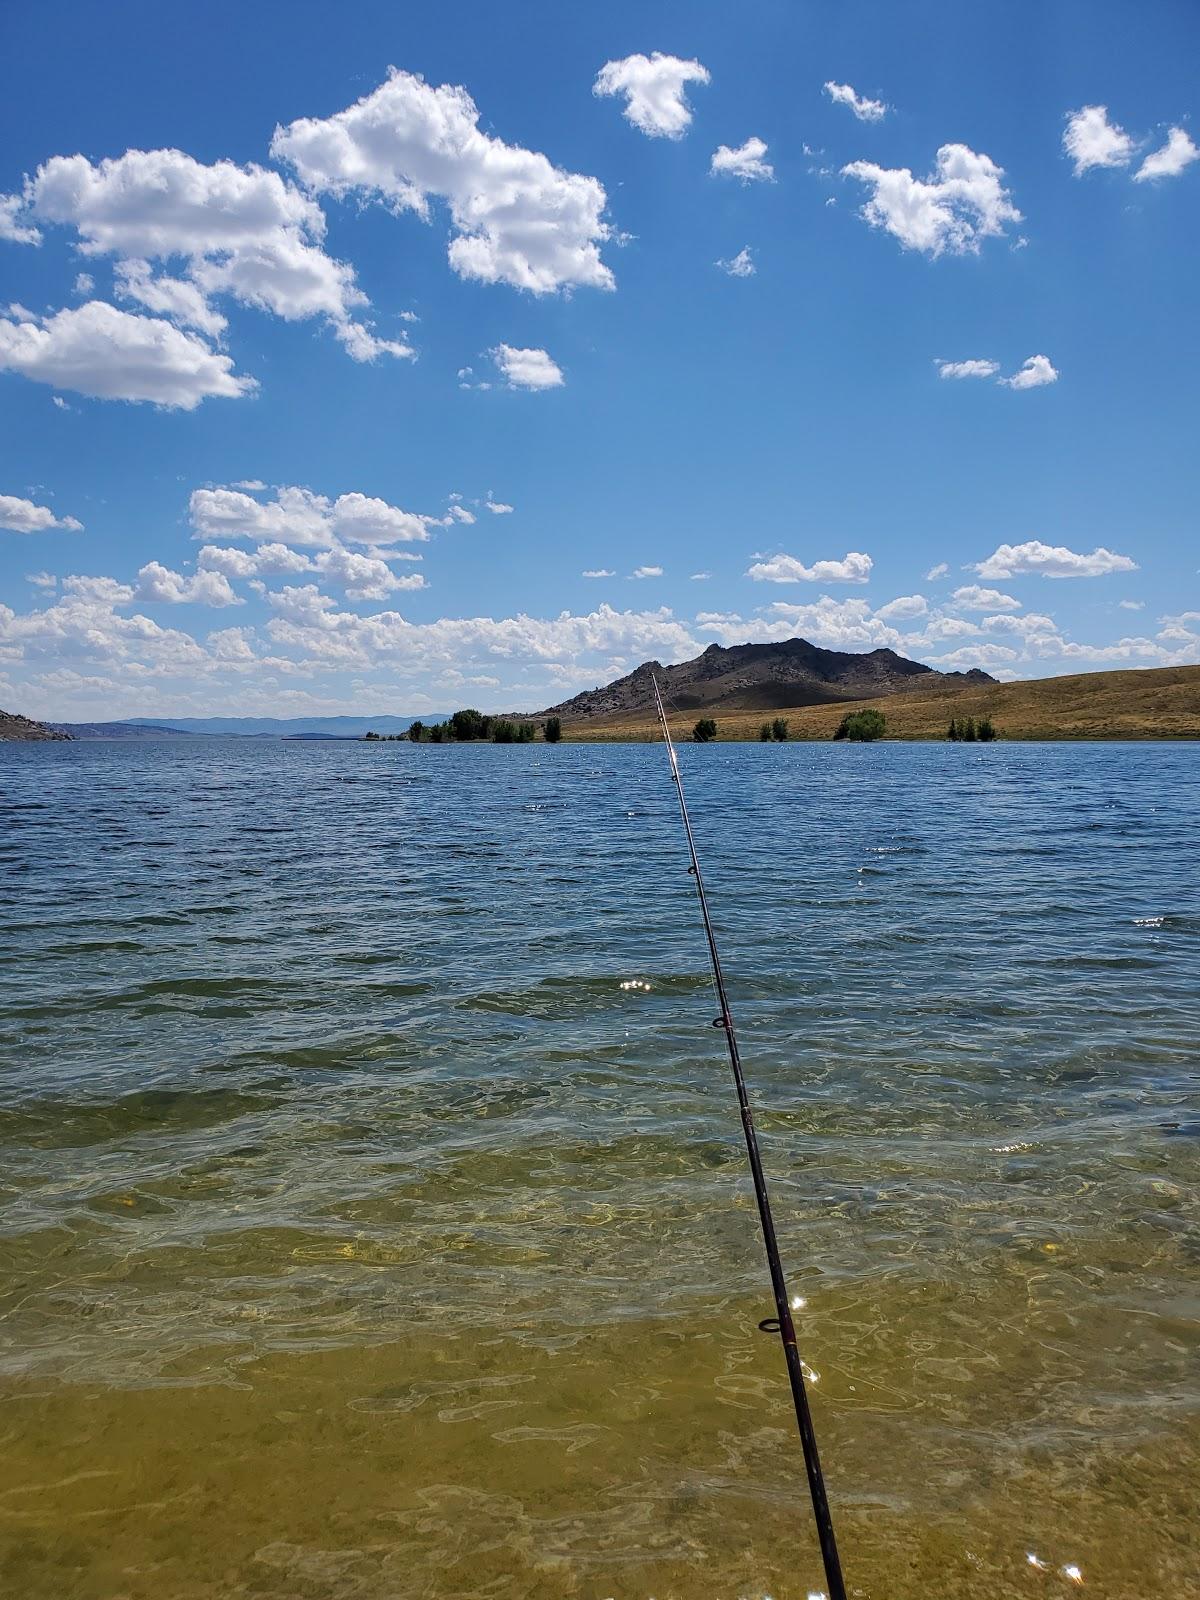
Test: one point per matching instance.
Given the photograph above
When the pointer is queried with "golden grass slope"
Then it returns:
(1145, 703)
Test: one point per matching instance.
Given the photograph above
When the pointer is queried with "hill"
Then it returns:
(1140, 703)
(15, 727)
(117, 730)
(760, 677)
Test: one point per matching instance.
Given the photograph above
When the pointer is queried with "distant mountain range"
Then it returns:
(762, 677)
(254, 727)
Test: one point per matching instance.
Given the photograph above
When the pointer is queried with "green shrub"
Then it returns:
(862, 725)
(765, 734)
(967, 731)
(952, 732)
(470, 724)
(985, 730)
(704, 730)
(416, 731)
(437, 734)
(779, 729)
(504, 731)
(552, 729)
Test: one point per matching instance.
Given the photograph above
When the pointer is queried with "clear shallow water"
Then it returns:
(364, 1234)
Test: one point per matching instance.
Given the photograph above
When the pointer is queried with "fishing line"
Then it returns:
(782, 1321)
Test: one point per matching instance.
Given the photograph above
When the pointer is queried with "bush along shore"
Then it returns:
(474, 727)
(970, 731)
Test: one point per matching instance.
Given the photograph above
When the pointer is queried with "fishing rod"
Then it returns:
(782, 1321)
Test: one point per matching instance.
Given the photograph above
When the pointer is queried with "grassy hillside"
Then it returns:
(1146, 703)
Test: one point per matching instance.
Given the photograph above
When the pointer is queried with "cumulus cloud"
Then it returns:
(116, 355)
(865, 110)
(497, 507)
(598, 572)
(1034, 373)
(1051, 561)
(517, 218)
(361, 577)
(527, 369)
(1132, 605)
(960, 204)
(1091, 140)
(243, 231)
(1168, 162)
(12, 227)
(971, 597)
(740, 265)
(746, 163)
(299, 517)
(937, 572)
(968, 369)
(854, 567)
(160, 585)
(903, 608)
(654, 88)
(23, 516)
(647, 572)
(175, 298)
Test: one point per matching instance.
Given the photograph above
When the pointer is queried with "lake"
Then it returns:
(374, 1218)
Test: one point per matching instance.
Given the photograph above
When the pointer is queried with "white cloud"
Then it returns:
(42, 580)
(253, 485)
(115, 355)
(175, 298)
(244, 231)
(740, 265)
(973, 598)
(23, 516)
(298, 516)
(498, 507)
(1168, 162)
(598, 572)
(655, 91)
(865, 110)
(647, 572)
(1035, 372)
(968, 369)
(698, 577)
(1132, 605)
(1091, 140)
(960, 204)
(746, 162)
(1051, 561)
(15, 231)
(526, 369)
(518, 219)
(460, 514)
(902, 608)
(937, 572)
(835, 624)
(852, 568)
(974, 655)
(159, 585)
(83, 285)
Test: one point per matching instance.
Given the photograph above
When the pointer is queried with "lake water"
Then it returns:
(373, 1213)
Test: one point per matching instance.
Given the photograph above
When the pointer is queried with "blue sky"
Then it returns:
(738, 292)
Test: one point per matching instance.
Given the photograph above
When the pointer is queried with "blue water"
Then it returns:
(371, 1188)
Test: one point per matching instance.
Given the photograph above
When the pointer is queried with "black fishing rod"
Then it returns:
(782, 1321)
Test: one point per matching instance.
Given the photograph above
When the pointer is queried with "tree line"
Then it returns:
(475, 727)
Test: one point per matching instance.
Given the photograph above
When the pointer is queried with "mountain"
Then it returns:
(117, 730)
(13, 726)
(762, 677)
(292, 727)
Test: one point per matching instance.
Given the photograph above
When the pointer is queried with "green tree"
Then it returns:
(765, 734)
(416, 731)
(779, 729)
(968, 731)
(552, 730)
(437, 734)
(952, 734)
(504, 731)
(862, 725)
(370, 735)
(470, 724)
(985, 730)
(704, 730)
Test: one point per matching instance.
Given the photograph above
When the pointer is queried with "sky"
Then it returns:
(386, 358)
